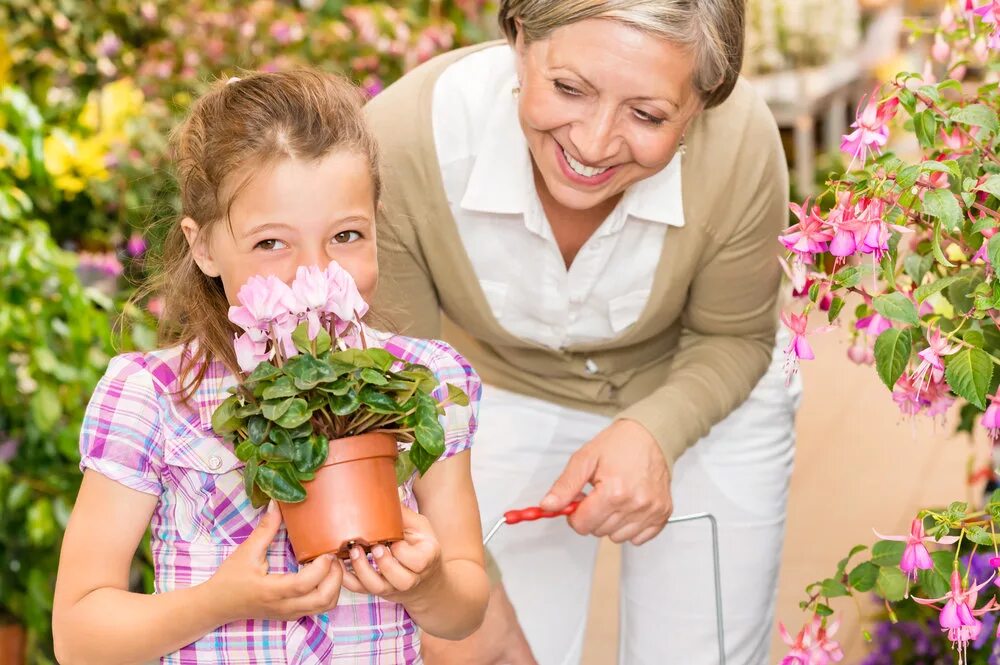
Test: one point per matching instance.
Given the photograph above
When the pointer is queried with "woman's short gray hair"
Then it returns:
(712, 29)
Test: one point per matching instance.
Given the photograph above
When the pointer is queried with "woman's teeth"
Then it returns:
(585, 171)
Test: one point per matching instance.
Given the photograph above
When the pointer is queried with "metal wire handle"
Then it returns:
(536, 513)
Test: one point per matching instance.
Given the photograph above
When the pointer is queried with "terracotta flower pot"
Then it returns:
(12, 639)
(352, 501)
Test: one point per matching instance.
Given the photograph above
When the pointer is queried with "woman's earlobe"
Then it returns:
(199, 247)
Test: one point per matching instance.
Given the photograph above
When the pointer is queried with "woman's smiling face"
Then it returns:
(602, 105)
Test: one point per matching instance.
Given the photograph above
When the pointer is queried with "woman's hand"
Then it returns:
(406, 569)
(248, 592)
(631, 496)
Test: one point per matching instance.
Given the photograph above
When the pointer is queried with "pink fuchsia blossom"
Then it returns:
(871, 129)
(939, 399)
(875, 240)
(931, 366)
(907, 396)
(915, 554)
(874, 324)
(798, 274)
(799, 345)
(991, 418)
(861, 354)
(849, 230)
(810, 235)
(959, 614)
(814, 644)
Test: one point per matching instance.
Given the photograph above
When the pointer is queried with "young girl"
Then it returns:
(276, 171)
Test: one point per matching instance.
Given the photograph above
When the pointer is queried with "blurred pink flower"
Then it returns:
(907, 397)
(991, 418)
(940, 51)
(861, 354)
(814, 645)
(871, 131)
(136, 245)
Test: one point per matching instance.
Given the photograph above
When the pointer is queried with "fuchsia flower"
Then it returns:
(871, 131)
(877, 230)
(799, 346)
(810, 236)
(940, 51)
(915, 555)
(931, 367)
(861, 354)
(939, 399)
(813, 645)
(907, 396)
(958, 615)
(991, 418)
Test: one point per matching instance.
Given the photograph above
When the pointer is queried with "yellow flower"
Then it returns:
(109, 109)
(72, 160)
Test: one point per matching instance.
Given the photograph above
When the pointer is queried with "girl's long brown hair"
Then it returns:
(234, 130)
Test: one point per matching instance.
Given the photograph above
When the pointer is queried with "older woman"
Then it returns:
(589, 213)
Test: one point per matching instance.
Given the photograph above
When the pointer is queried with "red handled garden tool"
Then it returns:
(536, 513)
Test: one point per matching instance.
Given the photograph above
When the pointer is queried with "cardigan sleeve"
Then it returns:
(730, 317)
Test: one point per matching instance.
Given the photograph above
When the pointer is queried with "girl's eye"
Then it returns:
(269, 245)
(347, 236)
(646, 117)
(566, 89)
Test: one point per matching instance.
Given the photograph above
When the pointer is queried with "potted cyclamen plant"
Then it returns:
(327, 425)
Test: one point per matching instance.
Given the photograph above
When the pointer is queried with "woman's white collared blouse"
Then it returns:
(487, 174)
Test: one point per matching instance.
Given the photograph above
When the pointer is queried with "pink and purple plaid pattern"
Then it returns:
(137, 434)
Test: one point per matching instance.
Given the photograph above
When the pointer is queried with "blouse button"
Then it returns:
(214, 462)
(590, 367)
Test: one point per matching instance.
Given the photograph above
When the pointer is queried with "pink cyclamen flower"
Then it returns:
(915, 555)
(810, 235)
(991, 418)
(311, 288)
(871, 131)
(250, 352)
(958, 615)
(266, 306)
(931, 367)
(344, 301)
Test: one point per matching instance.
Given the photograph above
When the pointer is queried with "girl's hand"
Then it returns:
(246, 591)
(405, 569)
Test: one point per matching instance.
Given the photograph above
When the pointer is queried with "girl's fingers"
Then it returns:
(325, 596)
(399, 576)
(372, 581)
(350, 580)
(305, 580)
(414, 556)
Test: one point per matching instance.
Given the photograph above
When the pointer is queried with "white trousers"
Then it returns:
(739, 472)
